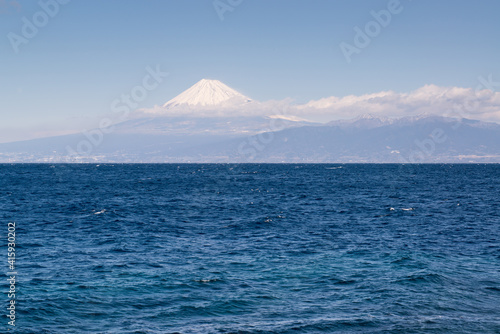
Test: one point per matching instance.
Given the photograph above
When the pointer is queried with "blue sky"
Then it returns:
(90, 52)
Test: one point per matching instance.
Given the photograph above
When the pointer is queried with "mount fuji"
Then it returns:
(208, 94)
(209, 107)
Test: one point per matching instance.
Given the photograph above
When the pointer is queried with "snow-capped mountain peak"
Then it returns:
(207, 93)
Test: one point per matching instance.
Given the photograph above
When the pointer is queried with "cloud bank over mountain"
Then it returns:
(482, 104)
(212, 98)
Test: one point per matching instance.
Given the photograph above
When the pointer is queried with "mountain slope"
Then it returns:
(233, 126)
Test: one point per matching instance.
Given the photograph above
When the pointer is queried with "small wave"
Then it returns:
(120, 250)
(344, 282)
(210, 280)
(402, 259)
(422, 278)
(403, 209)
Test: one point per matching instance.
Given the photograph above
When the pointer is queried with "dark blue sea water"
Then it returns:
(253, 248)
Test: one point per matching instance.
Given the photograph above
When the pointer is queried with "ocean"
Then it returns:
(251, 248)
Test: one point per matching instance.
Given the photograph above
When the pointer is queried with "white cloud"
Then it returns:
(429, 99)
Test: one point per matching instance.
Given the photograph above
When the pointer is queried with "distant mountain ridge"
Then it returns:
(362, 140)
